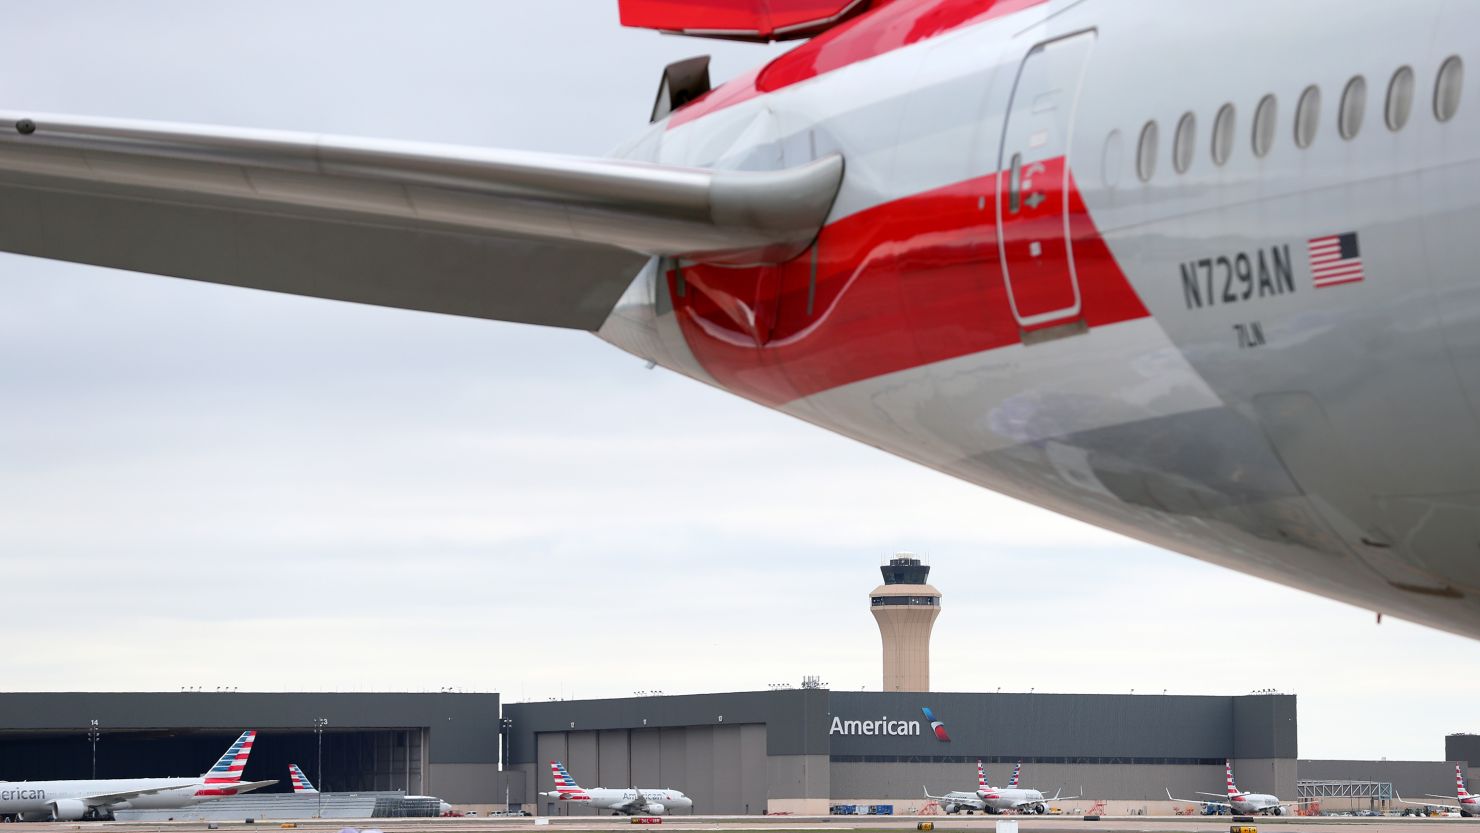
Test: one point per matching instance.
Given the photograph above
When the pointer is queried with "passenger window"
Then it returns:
(1353, 107)
(1399, 99)
(1223, 134)
(1447, 88)
(1146, 152)
(1183, 142)
(1307, 116)
(1264, 118)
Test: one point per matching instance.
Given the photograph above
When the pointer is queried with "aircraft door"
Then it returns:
(1033, 184)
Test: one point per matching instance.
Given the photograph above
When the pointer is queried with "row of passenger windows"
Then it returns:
(1349, 116)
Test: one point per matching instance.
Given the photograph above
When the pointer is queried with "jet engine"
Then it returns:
(654, 809)
(68, 809)
(949, 807)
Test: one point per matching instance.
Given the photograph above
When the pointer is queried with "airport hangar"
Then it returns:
(804, 750)
(798, 750)
(445, 744)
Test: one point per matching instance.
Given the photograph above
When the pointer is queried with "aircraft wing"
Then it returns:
(636, 802)
(106, 799)
(508, 235)
(1403, 800)
(1197, 801)
(248, 786)
(974, 803)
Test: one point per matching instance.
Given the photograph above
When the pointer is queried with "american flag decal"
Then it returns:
(1335, 259)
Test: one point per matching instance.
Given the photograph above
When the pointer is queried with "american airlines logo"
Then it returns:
(882, 726)
(935, 725)
(885, 726)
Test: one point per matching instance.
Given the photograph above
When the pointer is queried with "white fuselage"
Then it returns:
(1249, 804)
(1010, 798)
(38, 797)
(1201, 387)
(655, 802)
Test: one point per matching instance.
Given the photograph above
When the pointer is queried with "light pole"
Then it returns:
(92, 735)
(319, 724)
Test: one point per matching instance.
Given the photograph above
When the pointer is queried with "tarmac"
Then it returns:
(778, 824)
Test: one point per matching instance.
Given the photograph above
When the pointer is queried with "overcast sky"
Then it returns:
(210, 486)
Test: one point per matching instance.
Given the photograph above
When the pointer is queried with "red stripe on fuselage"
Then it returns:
(884, 29)
(901, 285)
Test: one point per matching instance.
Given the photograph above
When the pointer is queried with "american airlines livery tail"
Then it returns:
(632, 801)
(1017, 773)
(301, 784)
(1468, 805)
(98, 798)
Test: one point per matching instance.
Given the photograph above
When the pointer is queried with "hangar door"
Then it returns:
(722, 768)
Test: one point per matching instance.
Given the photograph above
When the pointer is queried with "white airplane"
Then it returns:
(1199, 273)
(1468, 805)
(99, 798)
(301, 784)
(631, 802)
(1243, 803)
(957, 801)
(991, 799)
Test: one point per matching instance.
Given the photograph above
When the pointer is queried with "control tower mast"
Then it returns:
(905, 607)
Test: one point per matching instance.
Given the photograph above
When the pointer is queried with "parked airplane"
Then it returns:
(632, 801)
(958, 800)
(1022, 800)
(1220, 309)
(301, 784)
(1243, 803)
(98, 798)
(1468, 805)
(989, 799)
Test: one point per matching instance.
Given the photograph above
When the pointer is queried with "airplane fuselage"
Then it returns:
(30, 798)
(656, 802)
(1253, 803)
(1075, 261)
(1009, 798)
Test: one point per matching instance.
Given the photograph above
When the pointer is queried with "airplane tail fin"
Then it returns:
(1232, 787)
(1459, 782)
(1017, 772)
(228, 770)
(301, 784)
(981, 776)
(565, 786)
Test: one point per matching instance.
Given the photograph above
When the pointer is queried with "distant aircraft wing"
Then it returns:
(633, 803)
(514, 236)
(1403, 800)
(1198, 801)
(248, 786)
(107, 799)
(974, 803)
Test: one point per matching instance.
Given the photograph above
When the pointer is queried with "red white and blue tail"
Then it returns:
(981, 777)
(1233, 790)
(301, 784)
(565, 786)
(1017, 772)
(1459, 783)
(229, 769)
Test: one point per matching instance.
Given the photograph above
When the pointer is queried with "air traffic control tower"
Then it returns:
(905, 608)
